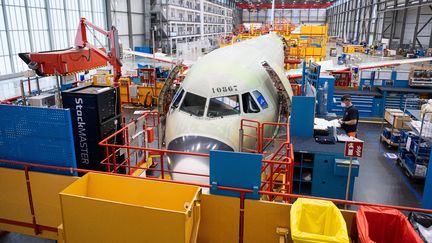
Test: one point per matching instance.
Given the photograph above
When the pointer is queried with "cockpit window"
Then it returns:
(249, 104)
(260, 98)
(224, 106)
(177, 98)
(193, 104)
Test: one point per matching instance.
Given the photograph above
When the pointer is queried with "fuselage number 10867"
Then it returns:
(224, 89)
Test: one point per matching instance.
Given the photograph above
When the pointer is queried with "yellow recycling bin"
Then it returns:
(109, 208)
(314, 221)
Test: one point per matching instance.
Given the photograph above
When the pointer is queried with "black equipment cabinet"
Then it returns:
(95, 113)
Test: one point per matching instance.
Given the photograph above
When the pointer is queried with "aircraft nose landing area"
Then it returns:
(189, 163)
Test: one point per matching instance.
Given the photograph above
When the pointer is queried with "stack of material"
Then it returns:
(396, 118)
(426, 130)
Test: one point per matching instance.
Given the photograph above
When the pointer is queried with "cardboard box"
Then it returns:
(397, 118)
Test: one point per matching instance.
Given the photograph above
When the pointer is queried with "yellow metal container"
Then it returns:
(103, 79)
(313, 30)
(124, 90)
(145, 95)
(14, 200)
(220, 219)
(349, 49)
(109, 208)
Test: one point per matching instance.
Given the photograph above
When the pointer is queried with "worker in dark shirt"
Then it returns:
(351, 116)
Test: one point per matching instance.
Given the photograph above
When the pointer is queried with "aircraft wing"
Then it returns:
(328, 66)
(160, 57)
(391, 63)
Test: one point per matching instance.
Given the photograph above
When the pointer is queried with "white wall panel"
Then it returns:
(137, 24)
(42, 25)
(382, 15)
(125, 41)
(119, 5)
(120, 20)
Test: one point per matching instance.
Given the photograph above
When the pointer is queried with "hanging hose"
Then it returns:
(146, 99)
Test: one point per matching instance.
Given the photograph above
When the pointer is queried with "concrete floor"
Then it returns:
(380, 179)
(18, 238)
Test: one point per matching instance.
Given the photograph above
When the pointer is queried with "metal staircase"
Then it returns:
(278, 159)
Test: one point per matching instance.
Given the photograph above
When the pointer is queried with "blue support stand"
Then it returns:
(310, 75)
(37, 135)
(325, 95)
(302, 116)
(237, 170)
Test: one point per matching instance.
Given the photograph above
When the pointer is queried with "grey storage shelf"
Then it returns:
(303, 166)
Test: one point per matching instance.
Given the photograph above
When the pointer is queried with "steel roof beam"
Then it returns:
(282, 6)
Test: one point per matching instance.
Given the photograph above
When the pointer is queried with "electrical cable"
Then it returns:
(94, 35)
(87, 58)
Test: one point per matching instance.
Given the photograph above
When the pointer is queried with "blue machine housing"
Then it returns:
(145, 49)
(378, 90)
(323, 84)
(325, 94)
(380, 78)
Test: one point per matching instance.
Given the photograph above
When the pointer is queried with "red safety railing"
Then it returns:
(251, 130)
(116, 162)
(342, 78)
(38, 228)
(278, 170)
(271, 134)
(114, 150)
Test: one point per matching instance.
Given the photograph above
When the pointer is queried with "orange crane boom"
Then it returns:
(82, 57)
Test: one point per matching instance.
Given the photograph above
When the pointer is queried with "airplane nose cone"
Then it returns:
(191, 163)
(197, 144)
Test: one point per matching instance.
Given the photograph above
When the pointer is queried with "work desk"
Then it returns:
(320, 169)
(306, 144)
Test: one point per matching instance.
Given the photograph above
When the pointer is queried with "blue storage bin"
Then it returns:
(395, 137)
(409, 161)
(413, 139)
(136, 80)
(144, 65)
(160, 72)
(165, 73)
(404, 136)
(386, 133)
(402, 152)
(144, 49)
(421, 150)
(417, 169)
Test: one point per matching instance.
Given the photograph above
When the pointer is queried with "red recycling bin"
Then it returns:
(384, 225)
